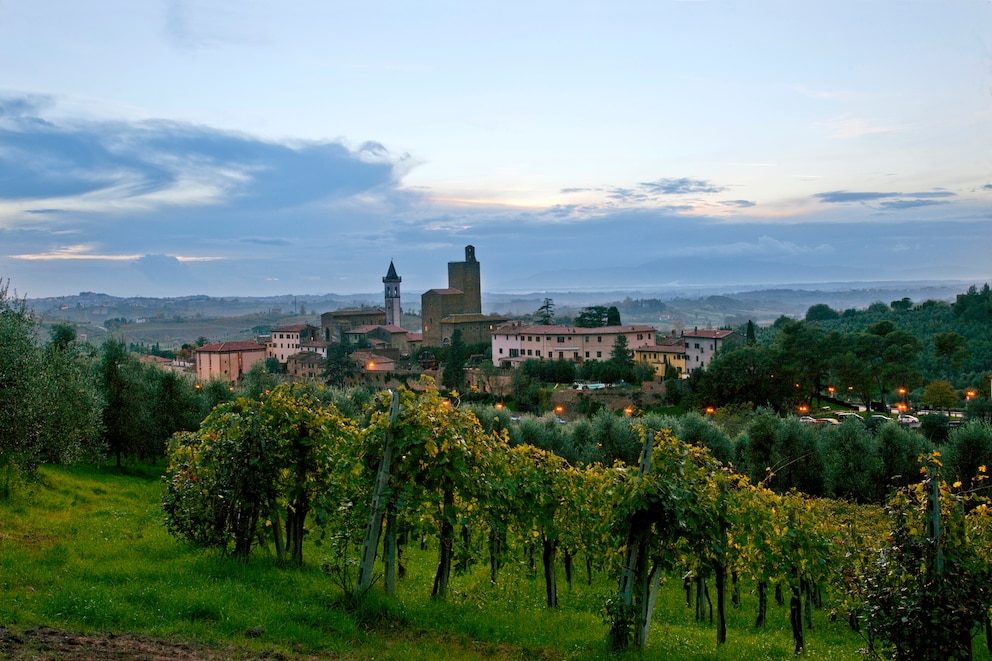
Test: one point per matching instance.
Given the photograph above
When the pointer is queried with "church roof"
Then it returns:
(391, 273)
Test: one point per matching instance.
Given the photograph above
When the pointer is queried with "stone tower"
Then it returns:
(392, 285)
(464, 276)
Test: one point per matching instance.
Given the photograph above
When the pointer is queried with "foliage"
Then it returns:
(546, 313)
(975, 305)
(927, 587)
(256, 465)
(49, 408)
(453, 375)
(939, 395)
(821, 312)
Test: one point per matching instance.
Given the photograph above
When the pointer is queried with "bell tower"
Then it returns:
(391, 283)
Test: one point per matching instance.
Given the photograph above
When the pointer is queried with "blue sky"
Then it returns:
(247, 147)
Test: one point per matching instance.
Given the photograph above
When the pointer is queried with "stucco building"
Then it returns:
(227, 361)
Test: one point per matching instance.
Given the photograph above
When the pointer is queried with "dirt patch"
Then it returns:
(45, 643)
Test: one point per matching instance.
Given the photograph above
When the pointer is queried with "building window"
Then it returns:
(561, 355)
(537, 353)
(599, 338)
(561, 340)
(530, 352)
(587, 354)
(599, 354)
(501, 351)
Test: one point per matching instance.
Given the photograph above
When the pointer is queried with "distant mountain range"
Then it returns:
(760, 304)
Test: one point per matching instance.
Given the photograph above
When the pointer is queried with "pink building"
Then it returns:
(514, 343)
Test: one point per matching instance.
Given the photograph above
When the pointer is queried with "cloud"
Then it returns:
(740, 204)
(840, 197)
(987, 187)
(681, 186)
(896, 205)
(847, 196)
(764, 246)
(114, 166)
(856, 127)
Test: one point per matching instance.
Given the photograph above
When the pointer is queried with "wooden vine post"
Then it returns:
(634, 573)
(379, 501)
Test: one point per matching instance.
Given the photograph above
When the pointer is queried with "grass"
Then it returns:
(85, 550)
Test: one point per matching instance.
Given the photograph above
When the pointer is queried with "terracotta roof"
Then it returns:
(471, 317)
(347, 312)
(561, 329)
(414, 337)
(296, 328)
(447, 291)
(228, 347)
(708, 334)
(368, 328)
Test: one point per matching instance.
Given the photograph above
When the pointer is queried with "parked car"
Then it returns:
(910, 421)
(847, 415)
(807, 420)
(827, 421)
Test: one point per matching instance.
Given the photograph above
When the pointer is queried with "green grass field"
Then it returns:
(85, 550)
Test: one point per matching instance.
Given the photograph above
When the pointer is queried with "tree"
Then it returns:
(50, 404)
(546, 313)
(939, 395)
(594, 316)
(70, 401)
(975, 305)
(821, 312)
(621, 356)
(613, 316)
(951, 347)
(20, 384)
(749, 336)
(339, 368)
(902, 305)
(126, 395)
(453, 375)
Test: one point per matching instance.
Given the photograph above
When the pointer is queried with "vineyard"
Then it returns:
(412, 470)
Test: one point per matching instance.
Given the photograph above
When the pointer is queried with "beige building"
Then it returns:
(333, 324)
(227, 361)
(287, 340)
(669, 351)
(305, 365)
(701, 345)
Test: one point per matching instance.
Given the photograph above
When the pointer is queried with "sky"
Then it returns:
(242, 147)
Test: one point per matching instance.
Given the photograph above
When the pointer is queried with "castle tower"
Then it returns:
(392, 285)
(464, 276)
